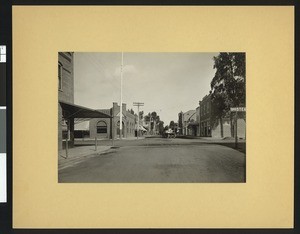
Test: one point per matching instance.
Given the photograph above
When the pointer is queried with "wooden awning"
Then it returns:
(71, 110)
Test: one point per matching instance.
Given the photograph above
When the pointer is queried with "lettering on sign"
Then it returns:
(238, 109)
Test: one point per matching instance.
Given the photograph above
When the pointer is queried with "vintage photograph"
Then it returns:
(126, 117)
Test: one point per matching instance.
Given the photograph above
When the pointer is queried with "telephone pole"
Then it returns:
(138, 104)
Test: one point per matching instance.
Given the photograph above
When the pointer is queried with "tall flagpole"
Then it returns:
(121, 101)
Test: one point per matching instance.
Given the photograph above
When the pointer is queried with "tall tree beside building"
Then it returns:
(230, 77)
(219, 109)
(153, 119)
(228, 85)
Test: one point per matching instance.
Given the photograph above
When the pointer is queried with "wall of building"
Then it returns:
(198, 120)
(216, 129)
(187, 117)
(241, 130)
(94, 122)
(205, 117)
(60, 127)
(128, 127)
(128, 119)
(206, 128)
(66, 93)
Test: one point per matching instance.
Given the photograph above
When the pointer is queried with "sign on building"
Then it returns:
(238, 109)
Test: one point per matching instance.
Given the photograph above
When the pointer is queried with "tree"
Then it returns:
(172, 124)
(219, 108)
(161, 127)
(228, 85)
(141, 114)
(153, 120)
(153, 115)
(147, 117)
(230, 72)
(180, 126)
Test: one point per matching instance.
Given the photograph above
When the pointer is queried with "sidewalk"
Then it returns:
(78, 154)
(211, 139)
(132, 138)
(80, 140)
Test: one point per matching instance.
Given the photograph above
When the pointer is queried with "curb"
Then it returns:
(76, 160)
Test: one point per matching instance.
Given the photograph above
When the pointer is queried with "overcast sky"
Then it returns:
(166, 82)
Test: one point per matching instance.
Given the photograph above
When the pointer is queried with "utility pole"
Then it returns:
(138, 104)
(121, 101)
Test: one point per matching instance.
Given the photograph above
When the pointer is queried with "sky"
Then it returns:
(165, 82)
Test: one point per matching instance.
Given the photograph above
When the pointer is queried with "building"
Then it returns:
(189, 124)
(198, 120)
(229, 88)
(65, 92)
(109, 128)
(210, 128)
(68, 112)
(205, 116)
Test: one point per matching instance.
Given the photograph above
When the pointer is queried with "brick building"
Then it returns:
(205, 116)
(65, 93)
(208, 128)
(109, 128)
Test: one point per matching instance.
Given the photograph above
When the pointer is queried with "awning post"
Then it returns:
(96, 142)
(67, 144)
(235, 131)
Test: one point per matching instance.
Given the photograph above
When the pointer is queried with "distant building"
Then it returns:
(189, 124)
(109, 128)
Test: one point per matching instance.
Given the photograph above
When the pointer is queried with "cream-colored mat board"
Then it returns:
(264, 33)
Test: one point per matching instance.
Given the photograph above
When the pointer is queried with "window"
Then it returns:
(101, 127)
(59, 76)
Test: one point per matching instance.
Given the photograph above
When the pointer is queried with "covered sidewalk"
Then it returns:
(70, 112)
